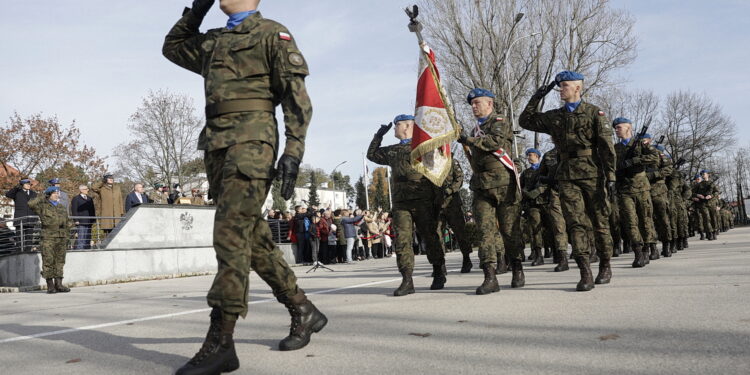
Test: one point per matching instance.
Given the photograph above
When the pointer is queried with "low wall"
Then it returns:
(151, 242)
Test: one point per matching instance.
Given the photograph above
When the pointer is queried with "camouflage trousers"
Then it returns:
(660, 202)
(586, 207)
(407, 215)
(239, 180)
(535, 220)
(635, 214)
(614, 220)
(678, 216)
(453, 216)
(703, 218)
(53, 256)
(714, 214)
(498, 210)
(556, 224)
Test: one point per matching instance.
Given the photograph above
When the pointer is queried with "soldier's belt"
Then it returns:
(574, 154)
(239, 105)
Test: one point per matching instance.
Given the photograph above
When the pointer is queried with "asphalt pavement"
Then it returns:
(689, 314)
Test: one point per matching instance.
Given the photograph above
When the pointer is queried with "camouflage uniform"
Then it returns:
(452, 212)
(633, 190)
(679, 193)
(248, 71)
(496, 195)
(56, 227)
(657, 170)
(534, 199)
(556, 224)
(158, 197)
(702, 207)
(413, 203)
(583, 139)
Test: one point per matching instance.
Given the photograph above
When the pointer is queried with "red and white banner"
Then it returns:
(436, 124)
(507, 161)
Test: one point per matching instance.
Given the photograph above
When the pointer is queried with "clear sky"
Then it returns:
(92, 61)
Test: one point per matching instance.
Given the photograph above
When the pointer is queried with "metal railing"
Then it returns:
(24, 234)
(279, 230)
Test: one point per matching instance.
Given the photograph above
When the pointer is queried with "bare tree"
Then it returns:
(477, 41)
(696, 129)
(163, 145)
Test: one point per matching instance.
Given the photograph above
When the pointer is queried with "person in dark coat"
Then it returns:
(136, 197)
(25, 225)
(82, 206)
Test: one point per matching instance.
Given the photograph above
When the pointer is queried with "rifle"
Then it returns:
(679, 163)
(661, 139)
(634, 144)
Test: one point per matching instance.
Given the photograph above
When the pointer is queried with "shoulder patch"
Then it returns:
(285, 36)
(601, 113)
(296, 59)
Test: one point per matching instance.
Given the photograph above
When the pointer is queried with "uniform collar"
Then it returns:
(405, 141)
(625, 141)
(237, 18)
(572, 107)
(535, 166)
(247, 25)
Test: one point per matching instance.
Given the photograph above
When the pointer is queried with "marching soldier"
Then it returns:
(586, 173)
(533, 203)
(713, 204)
(496, 194)
(556, 224)
(657, 171)
(56, 229)
(452, 213)
(250, 66)
(703, 191)
(414, 198)
(679, 196)
(633, 189)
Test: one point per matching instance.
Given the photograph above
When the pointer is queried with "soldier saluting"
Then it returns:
(56, 226)
(414, 199)
(249, 67)
(586, 172)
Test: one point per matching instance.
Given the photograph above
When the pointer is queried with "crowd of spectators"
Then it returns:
(333, 236)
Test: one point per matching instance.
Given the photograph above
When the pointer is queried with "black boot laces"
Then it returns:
(210, 345)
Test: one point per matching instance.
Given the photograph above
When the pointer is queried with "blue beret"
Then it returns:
(660, 148)
(620, 120)
(567, 75)
(51, 190)
(402, 118)
(647, 136)
(697, 176)
(476, 93)
(704, 171)
(25, 181)
(54, 181)
(533, 150)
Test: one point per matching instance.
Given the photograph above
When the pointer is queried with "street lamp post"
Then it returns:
(334, 183)
(510, 91)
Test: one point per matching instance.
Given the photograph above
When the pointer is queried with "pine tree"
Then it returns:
(361, 193)
(312, 198)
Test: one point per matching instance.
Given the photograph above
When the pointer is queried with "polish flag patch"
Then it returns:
(285, 36)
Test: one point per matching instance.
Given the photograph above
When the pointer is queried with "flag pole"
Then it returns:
(388, 181)
(364, 168)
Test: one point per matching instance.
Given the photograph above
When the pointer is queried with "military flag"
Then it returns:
(436, 126)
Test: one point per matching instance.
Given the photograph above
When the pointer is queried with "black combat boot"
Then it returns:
(439, 278)
(587, 281)
(466, 265)
(407, 284)
(653, 253)
(306, 320)
(59, 286)
(518, 280)
(678, 244)
(665, 252)
(626, 246)
(490, 284)
(562, 261)
(685, 243)
(539, 259)
(673, 246)
(605, 272)
(639, 260)
(51, 286)
(502, 267)
(617, 249)
(547, 252)
(555, 256)
(217, 354)
(703, 237)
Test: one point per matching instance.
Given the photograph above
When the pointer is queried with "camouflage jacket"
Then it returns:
(633, 179)
(657, 171)
(679, 190)
(158, 198)
(532, 188)
(704, 188)
(490, 136)
(583, 139)
(256, 63)
(406, 183)
(548, 169)
(55, 220)
(454, 180)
